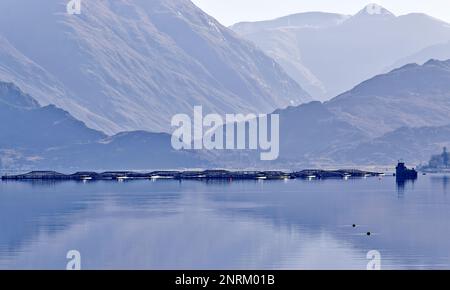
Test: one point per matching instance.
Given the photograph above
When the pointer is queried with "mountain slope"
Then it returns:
(439, 51)
(132, 64)
(309, 136)
(278, 38)
(26, 125)
(37, 82)
(411, 96)
(402, 114)
(289, 55)
(312, 132)
(35, 137)
(342, 55)
(137, 150)
(299, 20)
(415, 145)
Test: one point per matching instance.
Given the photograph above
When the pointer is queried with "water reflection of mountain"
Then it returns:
(444, 180)
(401, 227)
(28, 209)
(190, 211)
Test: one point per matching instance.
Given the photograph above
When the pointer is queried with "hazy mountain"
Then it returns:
(132, 64)
(24, 124)
(299, 20)
(308, 133)
(36, 137)
(33, 79)
(335, 58)
(439, 51)
(313, 132)
(377, 122)
(278, 38)
(415, 145)
(137, 150)
(412, 96)
(402, 114)
(284, 48)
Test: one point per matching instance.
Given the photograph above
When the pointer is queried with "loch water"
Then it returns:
(168, 224)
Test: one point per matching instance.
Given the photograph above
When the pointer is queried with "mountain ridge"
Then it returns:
(365, 44)
(142, 60)
(41, 137)
(413, 96)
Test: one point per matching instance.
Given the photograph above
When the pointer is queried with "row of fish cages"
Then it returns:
(194, 175)
(335, 174)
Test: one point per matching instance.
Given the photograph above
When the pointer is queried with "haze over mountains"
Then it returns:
(88, 90)
(411, 96)
(394, 110)
(335, 52)
(439, 51)
(24, 124)
(404, 114)
(132, 64)
(414, 145)
(35, 137)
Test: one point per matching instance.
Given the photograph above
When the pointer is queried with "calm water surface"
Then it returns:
(241, 225)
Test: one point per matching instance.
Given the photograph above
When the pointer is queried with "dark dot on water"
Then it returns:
(354, 225)
(369, 233)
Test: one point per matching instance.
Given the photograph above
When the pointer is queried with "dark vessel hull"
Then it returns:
(403, 173)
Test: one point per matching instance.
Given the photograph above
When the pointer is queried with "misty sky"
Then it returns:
(231, 11)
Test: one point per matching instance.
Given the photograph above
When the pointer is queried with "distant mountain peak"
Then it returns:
(374, 9)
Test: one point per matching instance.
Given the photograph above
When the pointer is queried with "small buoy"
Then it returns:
(354, 225)
(369, 233)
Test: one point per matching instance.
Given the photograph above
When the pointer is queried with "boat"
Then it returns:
(403, 173)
